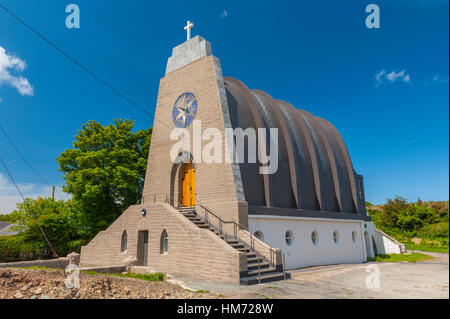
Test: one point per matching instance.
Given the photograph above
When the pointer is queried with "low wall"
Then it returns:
(106, 269)
(192, 251)
(60, 263)
(386, 245)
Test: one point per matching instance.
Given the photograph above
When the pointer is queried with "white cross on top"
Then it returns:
(188, 29)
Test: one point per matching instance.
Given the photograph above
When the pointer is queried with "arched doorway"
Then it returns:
(187, 185)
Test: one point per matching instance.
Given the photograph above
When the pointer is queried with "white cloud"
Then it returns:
(440, 79)
(9, 196)
(436, 80)
(224, 14)
(394, 76)
(10, 66)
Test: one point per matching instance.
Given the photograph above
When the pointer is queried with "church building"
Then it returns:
(229, 220)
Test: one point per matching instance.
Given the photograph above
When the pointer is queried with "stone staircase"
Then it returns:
(259, 268)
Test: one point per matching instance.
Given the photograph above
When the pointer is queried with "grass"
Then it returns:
(428, 247)
(39, 267)
(201, 291)
(157, 276)
(411, 258)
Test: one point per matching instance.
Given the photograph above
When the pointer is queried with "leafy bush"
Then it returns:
(59, 223)
(5, 218)
(104, 173)
(403, 221)
(14, 248)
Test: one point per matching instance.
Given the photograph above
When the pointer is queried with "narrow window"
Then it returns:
(335, 236)
(123, 243)
(164, 243)
(289, 237)
(314, 238)
(354, 236)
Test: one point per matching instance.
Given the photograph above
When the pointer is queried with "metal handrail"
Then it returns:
(221, 222)
(236, 228)
(259, 272)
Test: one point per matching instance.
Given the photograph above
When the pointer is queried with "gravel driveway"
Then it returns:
(428, 279)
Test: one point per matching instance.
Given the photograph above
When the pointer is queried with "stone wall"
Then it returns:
(193, 252)
(59, 263)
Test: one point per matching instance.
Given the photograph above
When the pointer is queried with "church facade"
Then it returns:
(231, 220)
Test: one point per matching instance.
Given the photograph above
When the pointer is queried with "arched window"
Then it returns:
(335, 236)
(354, 236)
(315, 238)
(289, 237)
(164, 245)
(259, 235)
(124, 241)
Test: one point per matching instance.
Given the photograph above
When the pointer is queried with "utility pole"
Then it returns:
(53, 193)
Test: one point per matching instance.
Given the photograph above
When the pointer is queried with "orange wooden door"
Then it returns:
(188, 187)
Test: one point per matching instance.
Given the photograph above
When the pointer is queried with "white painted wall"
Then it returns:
(387, 245)
(370, 228)
(302, 252)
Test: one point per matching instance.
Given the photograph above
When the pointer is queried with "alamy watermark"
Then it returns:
(73, 276)
(73, 19)
(373, 279)
(373, 19)
(259, 141)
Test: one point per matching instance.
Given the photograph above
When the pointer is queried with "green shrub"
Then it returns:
(438, 230)
(14, 248)
(403, 221)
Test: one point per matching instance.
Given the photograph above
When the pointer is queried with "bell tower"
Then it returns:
(193, 90)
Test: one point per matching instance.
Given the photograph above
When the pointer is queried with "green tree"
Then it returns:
(393, 210)
(105, 171)
(57, 219)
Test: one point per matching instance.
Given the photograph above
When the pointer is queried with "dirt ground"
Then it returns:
(427, 279)
(50, 284)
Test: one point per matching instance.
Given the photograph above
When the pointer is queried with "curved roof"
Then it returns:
(315, 171)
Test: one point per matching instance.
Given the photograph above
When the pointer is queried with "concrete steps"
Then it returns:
(259, 269)
(263, 278)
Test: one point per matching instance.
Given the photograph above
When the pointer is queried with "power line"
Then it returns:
(29, 210)
(25, 160)
(73, 60)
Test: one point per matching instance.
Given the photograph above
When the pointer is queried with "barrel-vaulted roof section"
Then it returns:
(315, 171)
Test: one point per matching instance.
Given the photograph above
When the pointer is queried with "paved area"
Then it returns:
(427, 279)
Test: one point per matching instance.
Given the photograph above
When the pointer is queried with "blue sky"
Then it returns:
(385, 90)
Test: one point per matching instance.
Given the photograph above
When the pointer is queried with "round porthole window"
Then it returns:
(143, 212)
(354, 236)
(315, 238)
(336, 237)
(289, 237)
